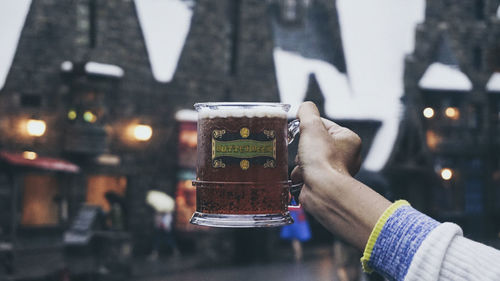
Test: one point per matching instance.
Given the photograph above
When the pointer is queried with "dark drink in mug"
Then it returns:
(242, 164)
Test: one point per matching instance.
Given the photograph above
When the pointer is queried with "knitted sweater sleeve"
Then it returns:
(408, 245)
(446, 255)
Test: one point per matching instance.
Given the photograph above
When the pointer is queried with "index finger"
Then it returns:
(307, 111)
(309, 117)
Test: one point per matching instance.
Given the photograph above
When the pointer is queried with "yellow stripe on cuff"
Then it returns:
(376, 232)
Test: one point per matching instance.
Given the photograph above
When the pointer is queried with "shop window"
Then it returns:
(187, 144)
(5, 204)
(433, 139)
(497, 117)
(479, 9)
(493, 58)
(86, 19)
(477, 57)
(99, 185)
(474, 120)
(292, 11)
(93, 23)
(40, 205)
(31, 100)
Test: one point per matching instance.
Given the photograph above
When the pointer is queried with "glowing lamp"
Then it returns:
(452, 113)
(142, 132)
(35, 128)
(72, 114)
(428, 112)
(446, 174)
(30, 155)
(90, 117)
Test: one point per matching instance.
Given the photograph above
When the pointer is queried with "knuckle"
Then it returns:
(352, 138)
(356, 140)
(310, 123)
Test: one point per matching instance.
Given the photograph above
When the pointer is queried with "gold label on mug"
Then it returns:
(243, 148)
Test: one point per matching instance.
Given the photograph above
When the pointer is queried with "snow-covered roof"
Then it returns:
(493, 84)
(292, 72)
(96, 68)
(439, 76)
(12, 17)
(104, 69)
(165, 25)
(66, 66)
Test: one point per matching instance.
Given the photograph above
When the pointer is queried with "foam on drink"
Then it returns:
(226, 112)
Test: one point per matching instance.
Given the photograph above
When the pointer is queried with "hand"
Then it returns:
(328, 157)
(324, 144)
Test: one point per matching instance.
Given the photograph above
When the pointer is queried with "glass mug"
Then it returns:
(242, 165)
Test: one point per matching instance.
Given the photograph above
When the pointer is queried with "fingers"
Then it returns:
(296, 175)
(306, 110)
(309, 117)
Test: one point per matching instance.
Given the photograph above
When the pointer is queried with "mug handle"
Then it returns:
(293, 130)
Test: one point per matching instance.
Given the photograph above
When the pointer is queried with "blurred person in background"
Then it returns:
(163, 235)
(117, 211)
(298, 232)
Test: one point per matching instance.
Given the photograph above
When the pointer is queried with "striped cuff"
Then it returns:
(376, 232)
(395, 239)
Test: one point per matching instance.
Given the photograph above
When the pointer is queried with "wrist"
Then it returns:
(355, 206)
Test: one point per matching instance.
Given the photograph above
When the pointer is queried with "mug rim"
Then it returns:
(221, 105)
(199, 182)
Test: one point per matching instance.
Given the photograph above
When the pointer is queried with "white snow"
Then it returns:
(375, 40)
(293, 70)
(165, 25)
(66, 66)
(12, 17)
(493, 84)
(440, 76)
(104, 69)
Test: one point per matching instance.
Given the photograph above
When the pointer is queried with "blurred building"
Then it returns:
(447, 159)
(81, 114)
(80, 90)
